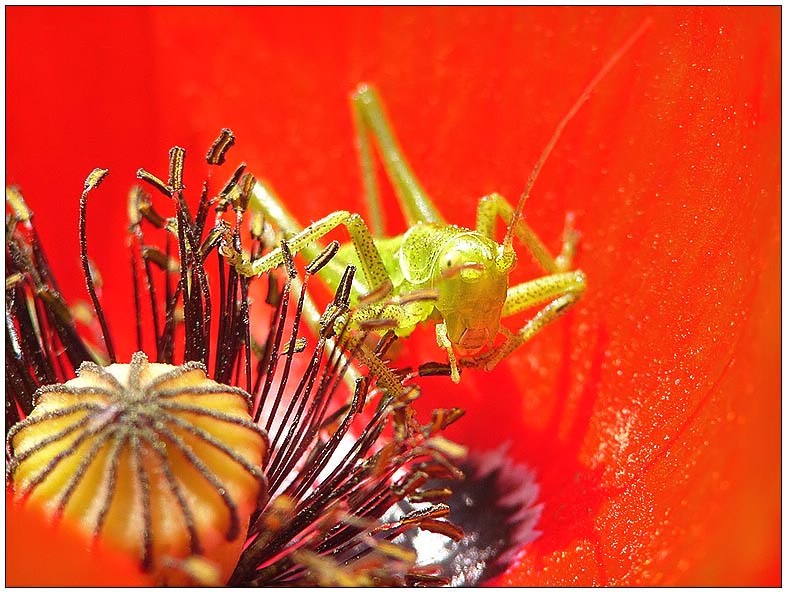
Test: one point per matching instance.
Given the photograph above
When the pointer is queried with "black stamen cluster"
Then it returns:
(335, 466)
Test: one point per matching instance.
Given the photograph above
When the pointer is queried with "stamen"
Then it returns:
(299, 345)
(497, 507)
(289, 263)
(246, 186)
(233, 181)
(14, 198)
(137, 300)
(221, 145)
(335, 468)
(148, 177)
(434, 369)
(92, 181)
(176, 157)
(325, 256)
(160, 259)
(342, 298)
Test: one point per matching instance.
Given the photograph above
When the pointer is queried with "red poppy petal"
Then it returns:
(42, 554)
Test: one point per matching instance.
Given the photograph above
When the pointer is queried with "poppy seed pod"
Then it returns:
(154, 459)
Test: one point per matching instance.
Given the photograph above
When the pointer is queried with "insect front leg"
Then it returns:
(385, 377)
(307, 240)
(560, 291)
(494, 205)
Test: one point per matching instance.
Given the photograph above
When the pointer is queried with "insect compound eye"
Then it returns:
(450, 263)
(467, 256)
(455, 263)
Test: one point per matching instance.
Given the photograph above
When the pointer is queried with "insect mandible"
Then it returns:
(456, 276)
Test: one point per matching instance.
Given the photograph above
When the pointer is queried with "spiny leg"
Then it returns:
(369, 316)
(307, 240)
(388, 314)
(494, 205)
(265, 200)
(371, 120)
(560, 291)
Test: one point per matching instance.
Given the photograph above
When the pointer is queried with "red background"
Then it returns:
(651, 413)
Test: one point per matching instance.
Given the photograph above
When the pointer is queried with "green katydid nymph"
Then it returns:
(455, 276)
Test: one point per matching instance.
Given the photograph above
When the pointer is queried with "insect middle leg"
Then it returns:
(559, 289)
(494, 205)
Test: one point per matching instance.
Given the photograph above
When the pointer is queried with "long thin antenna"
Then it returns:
(507, 242)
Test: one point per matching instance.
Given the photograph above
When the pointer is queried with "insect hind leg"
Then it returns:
(265, 200)
(371, 121)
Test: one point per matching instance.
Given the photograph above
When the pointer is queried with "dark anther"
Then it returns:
(218, 150)
(434, 369)
(319, 262)
(92, 181)
(176, 158)
(233, 181)
(148, 177)
(246, 187)
(289, 263)
(342, 298)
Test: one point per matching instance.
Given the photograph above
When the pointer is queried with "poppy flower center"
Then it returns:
(497, 507)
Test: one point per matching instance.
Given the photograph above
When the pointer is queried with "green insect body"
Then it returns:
(467, 273)
(457, 277)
